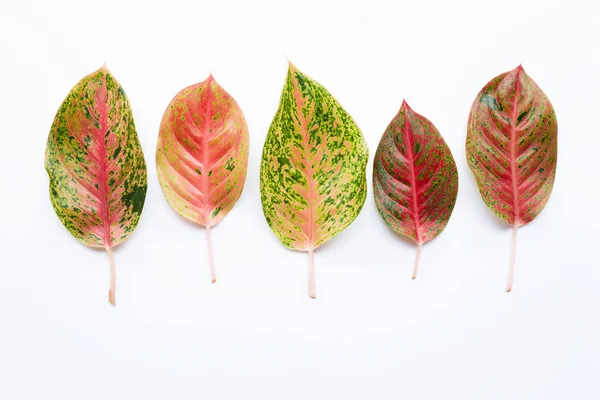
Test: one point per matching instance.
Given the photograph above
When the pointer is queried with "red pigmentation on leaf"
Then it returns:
(415, 179)
(512, 148)
(202, 155)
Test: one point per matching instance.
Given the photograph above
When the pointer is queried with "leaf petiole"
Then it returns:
(113, 276)
(418, 256)
(311, 274)
(211, 260)
(511, 267)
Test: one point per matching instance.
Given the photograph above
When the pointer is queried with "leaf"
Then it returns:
(202, 155)
(96, 166)
(511, 149)
(312, 175)
(415, 181)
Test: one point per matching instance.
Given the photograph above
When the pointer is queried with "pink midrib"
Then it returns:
(513, 150)
(103, 171)
(413, 177)
(311, 188)
(309, 174)
(205, 149)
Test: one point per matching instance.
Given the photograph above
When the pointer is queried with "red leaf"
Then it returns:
(511, 149)
(202, 155)
(415, 178)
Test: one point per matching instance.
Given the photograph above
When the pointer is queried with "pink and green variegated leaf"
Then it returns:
(96, 166)
(512, 148)
(312, 175)
(202, 155)
(415, 180)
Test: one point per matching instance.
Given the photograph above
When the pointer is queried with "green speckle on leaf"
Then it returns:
(215, 212)
(491, 102)
(230, 164)
(521, 116)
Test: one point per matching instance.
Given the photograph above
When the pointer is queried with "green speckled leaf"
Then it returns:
(96, 166)
(313, 170)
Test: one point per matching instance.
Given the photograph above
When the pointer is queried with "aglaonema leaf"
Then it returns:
(312, 175)
(202, 155)
(415, 181)
(96, 166)
(512, 148)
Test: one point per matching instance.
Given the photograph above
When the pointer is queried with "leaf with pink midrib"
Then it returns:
(415, 179)
(96, 166)
(202, 155)
(512, 148)
(312, 174)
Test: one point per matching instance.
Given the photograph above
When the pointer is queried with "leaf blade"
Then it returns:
(95, 163)
(415, 179)
(202, 153)
(512, 146)
(313, 168)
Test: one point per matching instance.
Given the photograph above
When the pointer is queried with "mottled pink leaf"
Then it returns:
(511, 149)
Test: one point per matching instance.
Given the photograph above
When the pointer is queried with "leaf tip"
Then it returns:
(291, 67)
(212, 83)
(405, 106)
(519, 70)
(103, 70)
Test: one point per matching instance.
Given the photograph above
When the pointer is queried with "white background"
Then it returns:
(372, 332)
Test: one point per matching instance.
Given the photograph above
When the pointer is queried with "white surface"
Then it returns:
(372, 332)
